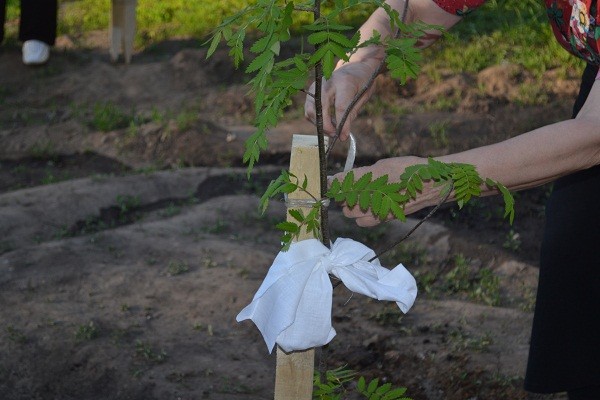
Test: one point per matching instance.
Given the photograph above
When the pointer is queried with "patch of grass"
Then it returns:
(51, 178)
(87, 332)
(406, 253)
(144, 350)
(459, 278)
(127, 203)
(219, 226)
(15, 335)
(446, 103)
(503, 31)
(44, 150)
(171, 210)
(426, 281)
(531, 94)
(479, 285)
(389, 315)
(487, 288)
(107, 116)
(439, 134)
(462, 341)
(529, 297)
(158, 21)
(185, 120)
(500, 31)
(177, 268)
(201, 328)
(512, 240)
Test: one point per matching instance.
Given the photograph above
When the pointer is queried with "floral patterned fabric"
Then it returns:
(459, 7)
(574, 23)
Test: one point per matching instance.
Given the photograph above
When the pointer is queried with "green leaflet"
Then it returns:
(384, 198)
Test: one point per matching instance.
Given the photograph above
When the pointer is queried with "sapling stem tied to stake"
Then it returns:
(275, 79)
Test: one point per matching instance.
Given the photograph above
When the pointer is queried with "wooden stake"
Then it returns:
(294, 374)
(122, 29)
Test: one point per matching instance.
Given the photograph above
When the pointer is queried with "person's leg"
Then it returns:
(38, 20)
(2, 18)
(586, 393)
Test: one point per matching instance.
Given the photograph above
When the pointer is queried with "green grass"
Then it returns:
(515, 31)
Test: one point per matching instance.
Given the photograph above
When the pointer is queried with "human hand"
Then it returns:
(393, 168)
(337, 95)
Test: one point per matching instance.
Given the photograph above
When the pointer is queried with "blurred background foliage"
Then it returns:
(513, 31)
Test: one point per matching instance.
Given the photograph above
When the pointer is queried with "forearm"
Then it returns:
(539, 156)
(418, 10)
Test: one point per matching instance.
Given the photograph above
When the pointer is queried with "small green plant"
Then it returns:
(335, 384)
(127, 204)
(107, 116)
(177, 268)
(487, 290)
(461, 341)
(438, 132)
(331, 385)
(171, 210)
(88, 331)
(44, 150)
(15, 335)
(389, 316)
(374, 391)
(531, 94)
(145, 351)
(512, 241)
(185, 120)
(482, 285)
(459, 278)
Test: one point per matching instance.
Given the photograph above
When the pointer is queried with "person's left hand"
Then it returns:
(393, 167)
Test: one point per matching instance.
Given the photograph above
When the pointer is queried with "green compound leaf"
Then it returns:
(384, 198)
(290, 227)
(373, 386)
(298, 215)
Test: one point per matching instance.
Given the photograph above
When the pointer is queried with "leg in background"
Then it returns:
(2, 18)
(38, 20)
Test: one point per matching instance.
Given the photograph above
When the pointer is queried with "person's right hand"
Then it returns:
(393, 168)
(337, 94)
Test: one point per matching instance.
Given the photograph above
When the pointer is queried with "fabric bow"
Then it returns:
(292, 307)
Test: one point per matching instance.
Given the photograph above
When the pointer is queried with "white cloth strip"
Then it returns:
(292, 307)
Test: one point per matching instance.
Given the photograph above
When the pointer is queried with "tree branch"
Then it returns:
(321, 137)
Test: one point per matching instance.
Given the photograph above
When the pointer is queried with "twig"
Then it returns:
(321, 137)
(414, 228)
(304, 8)
(306, 92)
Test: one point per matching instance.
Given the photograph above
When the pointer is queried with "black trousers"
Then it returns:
(38, 20)
(565, 353)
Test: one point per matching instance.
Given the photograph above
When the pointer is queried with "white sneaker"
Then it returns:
(35, 52)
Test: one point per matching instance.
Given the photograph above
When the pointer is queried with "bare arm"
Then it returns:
(525, 161)
(351, 76)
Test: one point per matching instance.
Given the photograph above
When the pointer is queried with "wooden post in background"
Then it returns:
(294, 374)
(122, 29)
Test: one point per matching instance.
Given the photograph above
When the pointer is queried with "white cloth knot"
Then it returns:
(292, 306)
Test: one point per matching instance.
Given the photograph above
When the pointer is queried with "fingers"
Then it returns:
(343, 99)
(334, 103)
(328, 119)
(362, 218)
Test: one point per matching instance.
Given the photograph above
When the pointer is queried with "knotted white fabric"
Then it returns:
(292, 307)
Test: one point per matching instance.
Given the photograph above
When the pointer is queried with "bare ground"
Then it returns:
(130, 238)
